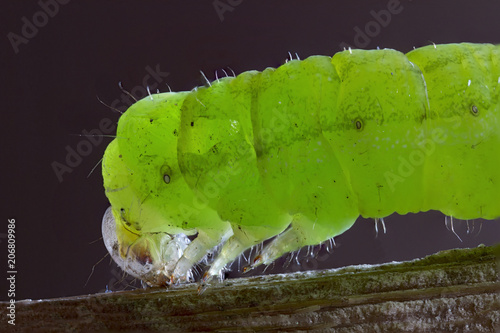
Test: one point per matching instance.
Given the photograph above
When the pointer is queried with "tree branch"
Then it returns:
(451, 291)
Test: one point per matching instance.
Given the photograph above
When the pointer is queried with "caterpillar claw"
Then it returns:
(201, 288)
(206, 277)
(177, 280)
(256, 262)
(246, 269)
(204, 282)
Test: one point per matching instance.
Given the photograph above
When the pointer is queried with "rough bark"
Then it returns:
(451, 291)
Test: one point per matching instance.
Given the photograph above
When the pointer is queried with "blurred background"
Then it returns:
(59, 55)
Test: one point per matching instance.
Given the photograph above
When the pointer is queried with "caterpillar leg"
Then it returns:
(243, 238)
(303, 232)
(197, 250)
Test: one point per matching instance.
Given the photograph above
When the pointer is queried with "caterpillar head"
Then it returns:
(145, 228)
(150, 257)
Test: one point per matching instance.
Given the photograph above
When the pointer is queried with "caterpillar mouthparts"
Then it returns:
(151, 257)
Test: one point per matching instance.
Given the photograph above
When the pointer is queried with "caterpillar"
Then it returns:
(300, 152)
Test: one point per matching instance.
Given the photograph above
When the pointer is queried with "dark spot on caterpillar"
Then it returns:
(296, 125)
(175, 132)
(359, 124)
(475, 145)
(192, 123)
(120, 156)
(151, 120)
(122, 215)
(165, 173)
(144, 259)
(474, 110)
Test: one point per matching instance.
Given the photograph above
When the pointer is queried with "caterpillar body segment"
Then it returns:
(299, 152)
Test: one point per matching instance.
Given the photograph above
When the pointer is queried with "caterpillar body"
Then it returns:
(300, 152)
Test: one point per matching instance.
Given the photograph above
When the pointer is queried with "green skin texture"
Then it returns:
(315, 143)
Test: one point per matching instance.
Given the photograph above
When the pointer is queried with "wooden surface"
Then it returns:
(451, 291)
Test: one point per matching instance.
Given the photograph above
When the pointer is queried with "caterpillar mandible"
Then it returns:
(300, 152)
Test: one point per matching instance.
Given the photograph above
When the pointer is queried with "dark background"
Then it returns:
(49, 90)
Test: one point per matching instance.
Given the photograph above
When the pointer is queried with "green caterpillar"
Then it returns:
(300, 152)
